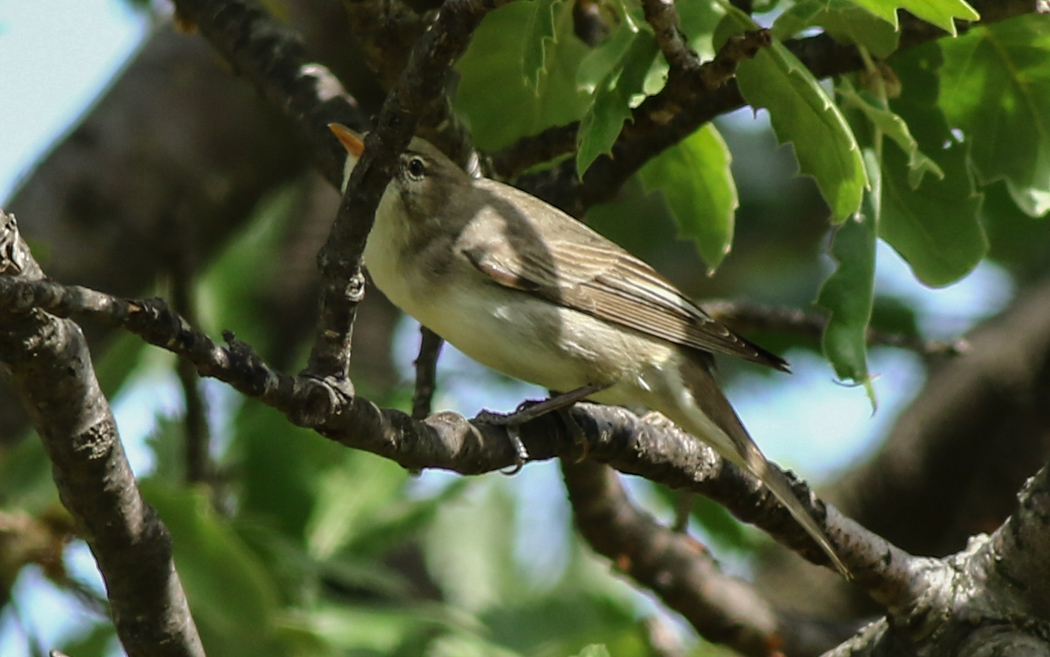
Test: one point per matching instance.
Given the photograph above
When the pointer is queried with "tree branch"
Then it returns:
(650, 447)
(746, 317)
(274, 59)
(684, 104)
(51, 369)
(680, 571)
(342, 284)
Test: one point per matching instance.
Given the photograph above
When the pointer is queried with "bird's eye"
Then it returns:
(416, 168)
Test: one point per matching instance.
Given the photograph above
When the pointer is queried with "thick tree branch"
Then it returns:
(51, 369)
(274, 59)
(680, 571)
(992, 601)
(652, 447)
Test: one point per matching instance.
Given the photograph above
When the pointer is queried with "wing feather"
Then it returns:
(576, 267)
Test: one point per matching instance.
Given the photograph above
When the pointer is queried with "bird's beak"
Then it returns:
(353, 145)
(349, 139)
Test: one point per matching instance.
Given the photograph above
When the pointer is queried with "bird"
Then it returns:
(527, 290)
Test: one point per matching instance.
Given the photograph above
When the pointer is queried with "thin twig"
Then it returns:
(748, 317)
(198, 433)
(426, 372)
(663, 16)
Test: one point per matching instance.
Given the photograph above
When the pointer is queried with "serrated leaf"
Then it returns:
(696, 181)
(939, 12)
(539, 31)
(849, 292)
(843, 20)
(894, 127)
(995, 87)
(803, 114)
(494, 62)
(612, 97)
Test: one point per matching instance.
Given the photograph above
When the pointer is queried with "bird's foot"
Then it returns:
(530, 410)
(513, 424)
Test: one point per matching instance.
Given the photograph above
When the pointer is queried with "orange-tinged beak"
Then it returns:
(349, 139)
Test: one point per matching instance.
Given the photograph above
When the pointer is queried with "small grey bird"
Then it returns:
(525, 289)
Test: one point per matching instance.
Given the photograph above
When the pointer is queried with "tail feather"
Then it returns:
(712, 419)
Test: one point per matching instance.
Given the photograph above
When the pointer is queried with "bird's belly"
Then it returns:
(527, 338)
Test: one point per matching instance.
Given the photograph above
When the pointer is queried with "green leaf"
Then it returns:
(493, 96)
(594, 650)
(802, 113)
(939, 12)
(696, 181)
(280, 465)
(843, 20)
(539, 31)
(699, 18)
(234, 601)
(349, 498)
(995, 87)
(894, 127)
(849, 291)
(479, 573)
(623, 79)
(935, 227)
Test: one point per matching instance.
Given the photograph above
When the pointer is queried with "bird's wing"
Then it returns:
(575, 267)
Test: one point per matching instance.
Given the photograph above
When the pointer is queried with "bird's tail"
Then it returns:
(712, 419)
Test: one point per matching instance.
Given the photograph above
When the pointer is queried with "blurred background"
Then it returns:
(137, 164)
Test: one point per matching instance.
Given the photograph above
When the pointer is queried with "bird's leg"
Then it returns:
(530, 410)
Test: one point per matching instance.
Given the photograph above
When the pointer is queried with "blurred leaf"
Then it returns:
(843, 20)
(25, 476)
(372, 630)
(230, 289)
(625, 57)
(699, 18)
(893, 315)
(478, 573)
(280, 467)
(495, 99)
(696, 181)
(1016, 239)
(99, 641)
(995, 87)
(118, 362)
(802, 113)
(894, 127)
(939, 12)
(349, 498)
(849, 291)
(539, 31)
(234, 601)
